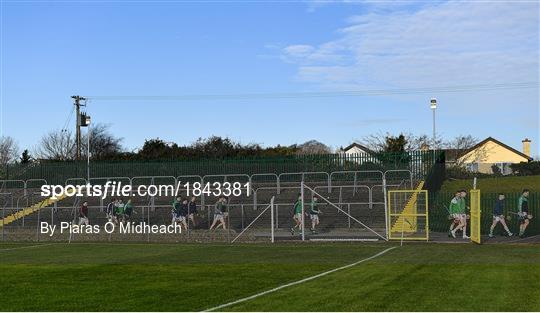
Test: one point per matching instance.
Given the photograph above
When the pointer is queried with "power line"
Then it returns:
(329, 94)
(66, 123)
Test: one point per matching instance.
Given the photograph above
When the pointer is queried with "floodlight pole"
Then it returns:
(433, 105)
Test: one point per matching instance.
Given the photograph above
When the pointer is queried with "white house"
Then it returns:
(352, 151)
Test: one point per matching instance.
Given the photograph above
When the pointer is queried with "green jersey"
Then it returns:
(523, 204)
(220, 208)
(120, 209)
(176, 207)
(462, 206)
(298, 207)
(454, 207)
(128, 208)
(313, 208)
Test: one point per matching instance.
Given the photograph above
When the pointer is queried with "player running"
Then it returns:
(219, 214)
(314, 214)
(109, 210)
(183, 213)
(83, 214)
(524, 216)
(297, 216)
(128, 210)
(192, 211)
(119, 211)
(453, 210)
(175, 211)
(225, 208)
(498, 216)
(460, 212)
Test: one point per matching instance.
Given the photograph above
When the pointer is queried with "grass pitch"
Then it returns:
(495, 184)
(188, 277)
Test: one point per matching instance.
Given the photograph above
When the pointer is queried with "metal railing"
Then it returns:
(323, 180)
(278, 179)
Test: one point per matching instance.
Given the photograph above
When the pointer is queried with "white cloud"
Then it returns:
(453, 43)
(298, 51)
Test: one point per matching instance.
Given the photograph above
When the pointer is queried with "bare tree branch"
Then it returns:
(9, 150)
(313, 147)
(56, 145)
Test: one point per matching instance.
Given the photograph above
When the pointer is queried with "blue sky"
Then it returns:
(52, 50)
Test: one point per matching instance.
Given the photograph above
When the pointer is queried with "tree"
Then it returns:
(313, 147)
(57, 145)
(217, 146)
(25, 157)
(389, 143)
(102, 143)
(461, 142)
(457, 147)
(423, 142)
(155, 149)
(375, 142)
(395, 143)
(61, 145)
(8, 150)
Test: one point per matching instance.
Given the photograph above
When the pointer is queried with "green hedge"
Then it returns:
(419, 162)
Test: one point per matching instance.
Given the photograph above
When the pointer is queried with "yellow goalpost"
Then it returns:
(475, 215)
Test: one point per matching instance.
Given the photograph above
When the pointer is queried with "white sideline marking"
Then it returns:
(26, 247)
(297, 282)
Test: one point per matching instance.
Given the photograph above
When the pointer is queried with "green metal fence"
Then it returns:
(418, 162)
(438, 214)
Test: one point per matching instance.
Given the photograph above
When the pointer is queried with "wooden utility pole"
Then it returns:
(77, 103)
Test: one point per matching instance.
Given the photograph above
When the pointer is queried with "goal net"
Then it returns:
(327, 217)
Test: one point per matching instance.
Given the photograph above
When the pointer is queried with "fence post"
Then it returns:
(272, 219)
(303, 212)
(209, 220)
(242, 214)
(148, 219)
(349, 211)
(37, 226)
(4, 215)
(354, 184)
(277, 215)
(54, 209)
(228, 223)
(329, 184)
(255, 200)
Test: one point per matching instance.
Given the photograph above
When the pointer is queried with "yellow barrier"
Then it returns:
(476, 213)
(410, 224)
(30, 210)
(408, 214)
